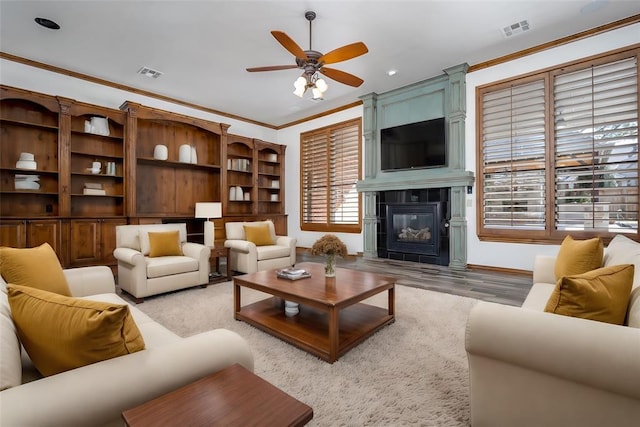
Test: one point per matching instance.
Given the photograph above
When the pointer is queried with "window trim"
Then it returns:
(328, 226)
(549, 234)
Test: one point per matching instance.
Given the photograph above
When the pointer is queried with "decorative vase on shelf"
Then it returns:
(330, 266)
(160, 152)
(184, 154)
(194, 155)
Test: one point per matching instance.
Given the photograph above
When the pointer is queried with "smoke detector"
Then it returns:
(149, 72)
(517, 28)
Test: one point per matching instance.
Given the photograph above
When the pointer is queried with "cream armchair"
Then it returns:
(247, 257)
(141, 276)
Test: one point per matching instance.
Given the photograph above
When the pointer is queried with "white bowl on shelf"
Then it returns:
(26, 164)
(30, 178)
(29, 157)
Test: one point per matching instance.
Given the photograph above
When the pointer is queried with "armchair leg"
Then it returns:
(131, 297)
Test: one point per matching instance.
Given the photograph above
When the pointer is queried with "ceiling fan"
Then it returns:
(312, 61)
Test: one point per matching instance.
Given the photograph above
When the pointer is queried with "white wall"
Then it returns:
(509, 255)
(291, 138)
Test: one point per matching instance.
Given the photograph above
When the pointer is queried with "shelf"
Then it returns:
(119, 196)
(29, 171)
(29, 124)
(171, 163)
(83, 153)
(95, 175)
(38, 192)
(95, 135)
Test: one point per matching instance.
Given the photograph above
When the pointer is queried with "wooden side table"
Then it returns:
(231, 397)
(218, 250)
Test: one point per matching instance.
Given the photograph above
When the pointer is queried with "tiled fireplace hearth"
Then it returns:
(437, 194)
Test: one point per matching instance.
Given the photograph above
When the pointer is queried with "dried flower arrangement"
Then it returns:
(329, 244)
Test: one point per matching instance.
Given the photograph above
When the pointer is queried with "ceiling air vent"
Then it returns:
(149, 72)
(517, 28)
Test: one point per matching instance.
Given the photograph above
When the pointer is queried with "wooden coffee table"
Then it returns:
(231, 397)
(332, 319)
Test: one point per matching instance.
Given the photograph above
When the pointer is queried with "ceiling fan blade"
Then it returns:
(272, 68)
(341, 76)
(343, 53)
(289, 44)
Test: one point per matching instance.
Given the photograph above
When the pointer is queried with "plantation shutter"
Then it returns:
(330, 169)
(315, 179)
(513, 157)
(596, 147)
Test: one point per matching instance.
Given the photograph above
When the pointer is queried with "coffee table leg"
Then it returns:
(236, 297)
(334, 334)
(391, 301)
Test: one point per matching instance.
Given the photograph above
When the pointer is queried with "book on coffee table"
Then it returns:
(293, 273)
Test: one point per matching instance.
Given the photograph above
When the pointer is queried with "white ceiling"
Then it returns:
(203, 47)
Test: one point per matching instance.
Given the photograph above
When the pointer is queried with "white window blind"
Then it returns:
(513, 157)
(330, 169)
(596, 147)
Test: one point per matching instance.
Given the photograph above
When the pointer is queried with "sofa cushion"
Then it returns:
(578, 256)
(601, 294)
(37, 267)
(61, 333)
(258, 234)
(10, 360)
(168, 265)
(164, 243)
(622, 250)
(272, 252)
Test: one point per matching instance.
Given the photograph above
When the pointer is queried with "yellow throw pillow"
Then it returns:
(164, 243)
(37, 267)
(578, 256)
(601, 294)
(61, 333)
(258, 234)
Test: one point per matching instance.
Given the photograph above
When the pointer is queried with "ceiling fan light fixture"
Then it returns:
(321, 85)
(317, 93)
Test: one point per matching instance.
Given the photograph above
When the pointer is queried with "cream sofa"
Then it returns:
(246, 257)
(96, 395)
(142, 276)
(531, 368)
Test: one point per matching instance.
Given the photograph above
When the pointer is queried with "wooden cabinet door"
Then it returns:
(13, 234)
(108, 232)
(85, 242)
(41, 231)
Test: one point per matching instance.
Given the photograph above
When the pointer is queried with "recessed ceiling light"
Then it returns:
(391, 72)
(47, 23)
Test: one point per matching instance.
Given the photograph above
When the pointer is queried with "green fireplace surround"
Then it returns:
(441, 96)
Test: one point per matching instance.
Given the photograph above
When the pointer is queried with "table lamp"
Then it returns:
(208, 211)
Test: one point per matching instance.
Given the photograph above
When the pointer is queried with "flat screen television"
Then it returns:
(414, 145)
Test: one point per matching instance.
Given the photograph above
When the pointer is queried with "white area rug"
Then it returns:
(413, 372)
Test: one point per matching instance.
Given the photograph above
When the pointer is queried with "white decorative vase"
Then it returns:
(239, 193)
(194, 155)
(160, 152)
(184, 155)
(232, 194)
(291, 308)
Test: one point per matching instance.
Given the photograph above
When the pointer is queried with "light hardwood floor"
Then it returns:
(504, 288)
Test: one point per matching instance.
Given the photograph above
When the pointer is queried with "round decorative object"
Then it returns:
(160, 152)
(291, 308)
(194, 155)
(330, 266)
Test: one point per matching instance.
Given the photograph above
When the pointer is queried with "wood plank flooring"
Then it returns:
(503, 288)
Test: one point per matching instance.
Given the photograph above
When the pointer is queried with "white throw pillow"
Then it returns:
(622, 250)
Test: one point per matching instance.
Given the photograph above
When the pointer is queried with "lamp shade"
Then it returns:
(209, 210)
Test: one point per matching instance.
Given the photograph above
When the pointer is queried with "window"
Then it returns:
(558, 152)
(329, 170)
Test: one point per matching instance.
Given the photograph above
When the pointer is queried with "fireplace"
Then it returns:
(414, 225)
(413, 228)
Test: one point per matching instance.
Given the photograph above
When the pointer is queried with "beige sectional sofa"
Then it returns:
(96, 394)
(532, 368)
